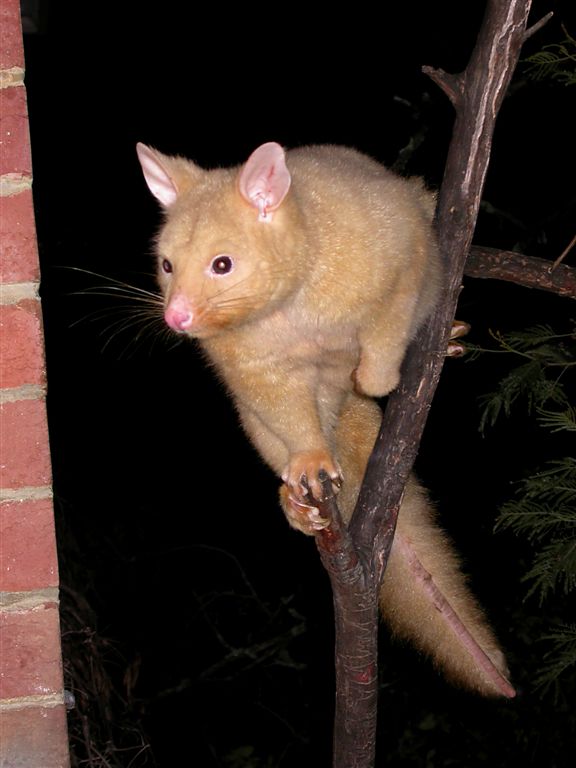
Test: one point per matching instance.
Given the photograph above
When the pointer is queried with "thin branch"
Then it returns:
(529, 271)
(538, 25)
(337, 550)
(450, 84)
(564, 253)
(356, 620)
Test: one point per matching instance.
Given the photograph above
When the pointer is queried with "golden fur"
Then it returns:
(333, 266)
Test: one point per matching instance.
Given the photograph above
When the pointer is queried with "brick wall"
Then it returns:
(32, 713)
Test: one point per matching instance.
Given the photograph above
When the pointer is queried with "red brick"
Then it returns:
(24, 452)
(27, 546)
(30, 662)
(18, 250)
(11, 54)
(14, 135)
(21, 344)
(35, 737)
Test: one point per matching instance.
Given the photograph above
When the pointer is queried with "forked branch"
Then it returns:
(477, 94)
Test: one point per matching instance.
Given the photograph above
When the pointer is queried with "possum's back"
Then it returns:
(364, 219)
(348, 177)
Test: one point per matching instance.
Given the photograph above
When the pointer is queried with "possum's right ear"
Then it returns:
(159, 180)
(265, 180)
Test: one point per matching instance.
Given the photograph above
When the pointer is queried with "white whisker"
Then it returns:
(131, 310)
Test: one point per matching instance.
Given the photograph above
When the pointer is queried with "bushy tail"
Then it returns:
(424, 597)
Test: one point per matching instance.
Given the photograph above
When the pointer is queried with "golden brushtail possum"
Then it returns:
(304, 275)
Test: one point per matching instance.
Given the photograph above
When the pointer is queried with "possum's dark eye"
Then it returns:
(167, 266)
(221, 265)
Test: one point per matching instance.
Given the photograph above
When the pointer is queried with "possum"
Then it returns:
(304, 275)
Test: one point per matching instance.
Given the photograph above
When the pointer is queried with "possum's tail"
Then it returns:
(424, 596)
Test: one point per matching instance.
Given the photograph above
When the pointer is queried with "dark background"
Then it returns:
(210, 618)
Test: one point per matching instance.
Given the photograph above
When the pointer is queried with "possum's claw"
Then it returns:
(303, 486)
(302, 475)
(459, 328)
(304, 517)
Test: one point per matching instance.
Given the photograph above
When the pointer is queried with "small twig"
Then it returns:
(452, 85)
(538, 25)
(564, 253)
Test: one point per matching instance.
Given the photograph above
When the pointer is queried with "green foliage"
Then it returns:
(556, 61)
(560, 659)
(556, 421)
(543, 510)
(545, 357)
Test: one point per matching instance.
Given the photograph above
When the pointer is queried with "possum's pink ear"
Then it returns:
(159, 181)
(265, 180)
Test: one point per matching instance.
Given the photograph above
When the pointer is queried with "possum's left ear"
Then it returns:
(155, 170)
(265, 180)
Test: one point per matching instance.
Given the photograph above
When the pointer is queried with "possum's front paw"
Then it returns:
(302, 475)
(303, 517)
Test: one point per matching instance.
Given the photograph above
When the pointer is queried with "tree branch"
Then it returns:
(477, 95)
(356, 616)
(528, 271)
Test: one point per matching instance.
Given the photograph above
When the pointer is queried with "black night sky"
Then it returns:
(211, 618)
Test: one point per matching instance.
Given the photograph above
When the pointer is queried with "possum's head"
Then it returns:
(229, 249)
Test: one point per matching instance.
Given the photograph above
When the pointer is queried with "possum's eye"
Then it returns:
(221, 265)
(167, 267)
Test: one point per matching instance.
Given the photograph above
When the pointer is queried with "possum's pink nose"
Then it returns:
(178, 314)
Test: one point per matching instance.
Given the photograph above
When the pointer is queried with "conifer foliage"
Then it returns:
(543, 509)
